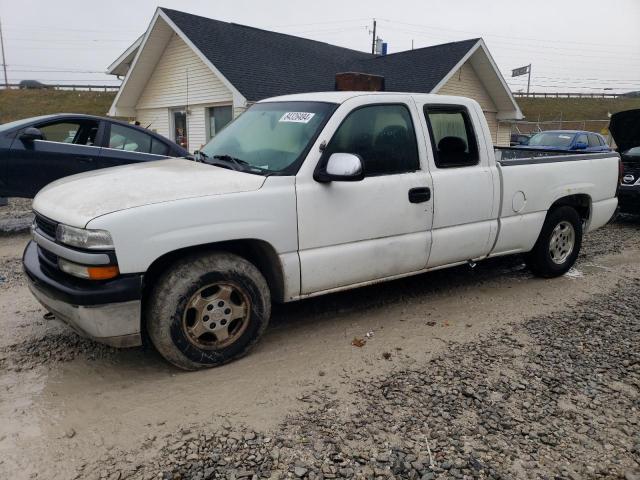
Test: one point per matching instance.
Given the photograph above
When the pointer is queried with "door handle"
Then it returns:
(420, 195)
(86, 159)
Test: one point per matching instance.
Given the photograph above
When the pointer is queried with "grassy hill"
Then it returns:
(574, 108)
(17, 104)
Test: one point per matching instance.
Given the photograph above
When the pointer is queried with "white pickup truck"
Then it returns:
(301, 195)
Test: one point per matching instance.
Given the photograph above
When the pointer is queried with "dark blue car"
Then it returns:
(567, 141)
(36, 151)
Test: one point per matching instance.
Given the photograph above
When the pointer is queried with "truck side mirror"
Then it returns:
(341, 167)
(30, 134)
(580, 146)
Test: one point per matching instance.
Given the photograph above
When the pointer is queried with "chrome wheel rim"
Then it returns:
(563, 239)
(216, 316)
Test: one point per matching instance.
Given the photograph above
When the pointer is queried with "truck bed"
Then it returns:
(534, 179)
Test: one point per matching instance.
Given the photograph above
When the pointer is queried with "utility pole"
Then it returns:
(529, 80)
(4, 63)
(373, 42)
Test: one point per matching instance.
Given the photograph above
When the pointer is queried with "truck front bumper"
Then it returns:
(108, 312)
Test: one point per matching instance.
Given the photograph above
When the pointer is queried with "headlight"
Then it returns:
(82, 238)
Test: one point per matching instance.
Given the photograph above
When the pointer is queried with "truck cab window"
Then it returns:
(594, 141)
(452, 137)
(382, 135)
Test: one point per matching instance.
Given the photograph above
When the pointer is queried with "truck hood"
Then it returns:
(78, 199)
(625, 129)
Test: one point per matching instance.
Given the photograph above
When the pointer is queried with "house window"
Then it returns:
(217, 119)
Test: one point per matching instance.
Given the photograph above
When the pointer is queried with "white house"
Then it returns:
(187, 76)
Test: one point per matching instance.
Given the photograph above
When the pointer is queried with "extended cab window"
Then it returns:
(452, 137)
(129, 139)
(78, 133)
(383, 136)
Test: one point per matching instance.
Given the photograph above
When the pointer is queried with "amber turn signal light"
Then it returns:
(102, 273)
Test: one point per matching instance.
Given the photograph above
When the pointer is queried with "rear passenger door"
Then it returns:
(466, 188)
(355, 232)
(67, 147)
(130, 145)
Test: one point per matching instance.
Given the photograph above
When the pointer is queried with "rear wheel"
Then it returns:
(207, 310)
(558, 245)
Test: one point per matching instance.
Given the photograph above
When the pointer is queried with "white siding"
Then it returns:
(167, 86)
(157, 120)
(465, 83)
(504, 134)
(197, 125)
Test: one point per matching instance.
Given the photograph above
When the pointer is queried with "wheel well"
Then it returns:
(581, 202)
(258, 252)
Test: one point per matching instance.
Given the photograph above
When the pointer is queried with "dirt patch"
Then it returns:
(16, 216)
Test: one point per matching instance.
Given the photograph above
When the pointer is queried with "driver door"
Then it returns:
(353, 232)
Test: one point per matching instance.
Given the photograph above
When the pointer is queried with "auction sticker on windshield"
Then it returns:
(297, 117)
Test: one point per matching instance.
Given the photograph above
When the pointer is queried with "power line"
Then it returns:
(13, 70)
(52, 27)
(508, 37)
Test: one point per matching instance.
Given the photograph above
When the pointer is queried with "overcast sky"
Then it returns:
(573, 45)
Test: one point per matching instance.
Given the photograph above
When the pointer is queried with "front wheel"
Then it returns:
(558, 245)
(207, 310)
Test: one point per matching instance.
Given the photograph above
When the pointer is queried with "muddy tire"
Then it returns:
(558, 245)
(207, 310)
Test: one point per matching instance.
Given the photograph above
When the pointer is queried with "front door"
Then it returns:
(179, 127)
(356, 232)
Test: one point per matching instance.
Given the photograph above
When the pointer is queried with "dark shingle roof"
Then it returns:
(262, 64)
(416, 70)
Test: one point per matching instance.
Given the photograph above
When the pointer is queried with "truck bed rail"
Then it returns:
(507, 156)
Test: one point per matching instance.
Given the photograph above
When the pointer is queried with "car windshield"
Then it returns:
(268, 138)
(633, 152)
(19, 123)
(551, 139)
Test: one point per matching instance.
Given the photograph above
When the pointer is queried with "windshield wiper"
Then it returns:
(240, 164)
(235, 164)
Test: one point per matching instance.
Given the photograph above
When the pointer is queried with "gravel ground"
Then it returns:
(15, 217)
(555, 397)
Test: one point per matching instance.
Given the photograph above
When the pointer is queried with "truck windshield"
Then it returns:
(551, 139)
(269, 138)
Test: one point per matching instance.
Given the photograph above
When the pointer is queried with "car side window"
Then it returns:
(382, 135)
(594, 141)
(582, 138)
(159, 148)
(77, 133)
(452, 137)
(129, 139)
